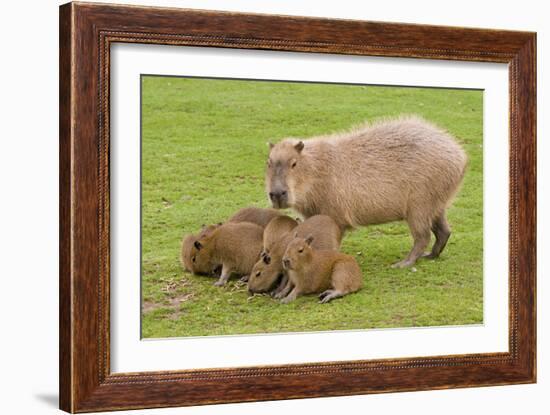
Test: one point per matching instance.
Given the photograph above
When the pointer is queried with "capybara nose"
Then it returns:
(286, 262)
(277, 195)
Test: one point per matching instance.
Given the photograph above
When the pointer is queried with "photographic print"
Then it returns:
(278, 207)
(253, 207)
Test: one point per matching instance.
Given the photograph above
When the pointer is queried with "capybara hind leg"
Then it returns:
(346, 278)
(421, 235)
(329, 295)
(442, 232)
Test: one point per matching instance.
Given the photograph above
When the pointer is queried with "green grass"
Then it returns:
(203, 157)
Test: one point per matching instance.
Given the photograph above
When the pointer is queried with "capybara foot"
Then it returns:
(329, 295)
(287, 299)
(287, 290)
(219, 283)
(404, 263)
(290, 297)
(429, 255)
(244, 278)
(278, 295)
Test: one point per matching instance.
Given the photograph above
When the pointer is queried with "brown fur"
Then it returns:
(186, 256)
(269, 269)
(402, 169)
(234, 246)
(310, 271)
(259, 216)
(276, 229)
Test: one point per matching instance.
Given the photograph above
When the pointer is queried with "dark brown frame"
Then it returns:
(86, 33)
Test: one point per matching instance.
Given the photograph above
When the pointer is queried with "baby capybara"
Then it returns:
(235, 247)
(255, 215)
(330, 273)
(269, 269)
(402, 169)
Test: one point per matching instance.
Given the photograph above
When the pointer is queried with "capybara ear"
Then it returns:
(267, 259)
(220, 223)
(309, 239)
(198, 245)
(271, 145)
(299, 146)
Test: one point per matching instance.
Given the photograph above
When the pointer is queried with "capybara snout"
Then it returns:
(279, 198)
(286, 263)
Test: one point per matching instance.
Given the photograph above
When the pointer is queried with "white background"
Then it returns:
(129, 354)
(28, 210)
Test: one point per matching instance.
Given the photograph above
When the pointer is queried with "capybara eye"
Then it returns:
(301, 250)
(194, 258)
(293, 165)
(258, 273)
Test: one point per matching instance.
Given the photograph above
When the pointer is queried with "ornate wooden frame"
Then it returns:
(86, 33)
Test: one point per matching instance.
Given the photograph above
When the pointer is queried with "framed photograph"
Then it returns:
(259, 207)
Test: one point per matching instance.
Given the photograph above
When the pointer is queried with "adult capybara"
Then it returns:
(234, 246)
(401, 169)
(259, 216)
(310, 271)
(269, 269)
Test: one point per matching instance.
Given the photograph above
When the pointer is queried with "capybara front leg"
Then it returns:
(281, 286)
(442, 232)
(421, 236)
(285, 291)
(291, 296)
(226, 273)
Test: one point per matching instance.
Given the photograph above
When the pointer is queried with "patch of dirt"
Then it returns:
(148, 306)
(176, 301)
(170, 288)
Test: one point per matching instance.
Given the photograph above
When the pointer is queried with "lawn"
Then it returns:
(203, 157)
